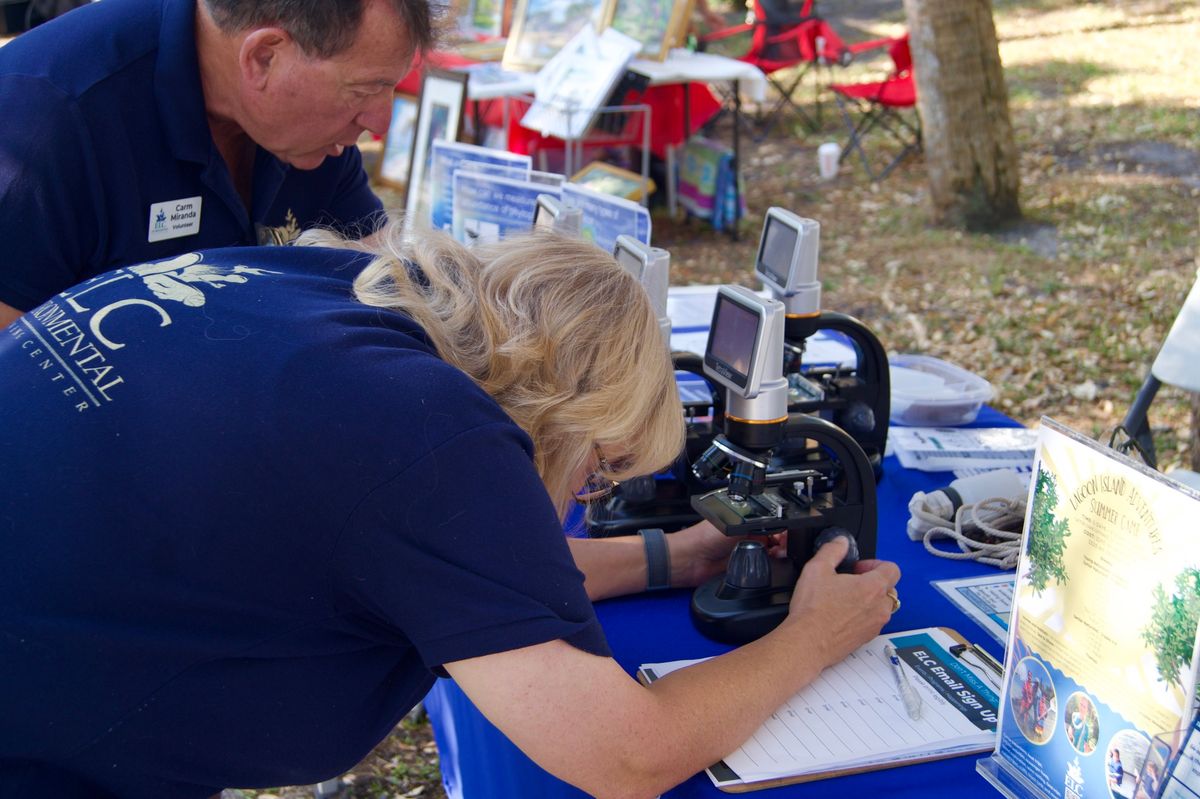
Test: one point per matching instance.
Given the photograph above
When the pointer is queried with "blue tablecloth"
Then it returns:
(478, 762)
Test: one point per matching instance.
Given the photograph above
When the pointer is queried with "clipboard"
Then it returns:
(948, 670)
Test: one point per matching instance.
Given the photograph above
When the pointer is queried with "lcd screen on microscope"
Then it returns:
(731, 340)
(778, 252)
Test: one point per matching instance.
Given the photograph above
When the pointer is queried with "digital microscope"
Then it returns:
(824, 489)
(854, 398)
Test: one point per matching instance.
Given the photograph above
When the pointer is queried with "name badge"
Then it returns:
(174, 219)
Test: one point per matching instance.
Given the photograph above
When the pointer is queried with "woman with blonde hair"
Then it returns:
(249, 529)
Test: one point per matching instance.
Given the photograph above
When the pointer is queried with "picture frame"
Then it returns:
(614, 180)
(658, 25)
(540, 28)
(441, 108)
(485, 18)
(392, 168)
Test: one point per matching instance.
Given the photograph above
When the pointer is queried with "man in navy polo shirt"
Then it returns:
(135, 130)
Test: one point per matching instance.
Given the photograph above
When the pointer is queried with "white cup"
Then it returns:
(827, 159)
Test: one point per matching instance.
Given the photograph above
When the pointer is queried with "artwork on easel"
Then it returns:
(540, 28)
(658, 25)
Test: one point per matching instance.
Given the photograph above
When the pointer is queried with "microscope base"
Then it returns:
(741, 615)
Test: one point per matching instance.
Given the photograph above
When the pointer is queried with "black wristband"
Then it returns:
(658, 559)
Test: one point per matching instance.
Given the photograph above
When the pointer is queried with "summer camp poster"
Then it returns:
(1102, 647)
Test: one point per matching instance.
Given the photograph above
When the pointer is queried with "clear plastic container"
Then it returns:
(929, 392)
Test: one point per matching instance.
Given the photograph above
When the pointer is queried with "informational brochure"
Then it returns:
(1101, 655)
(986, 600)
(490, 208)
(447, 156)
(605, 216)
(944, 449)
(901, 698)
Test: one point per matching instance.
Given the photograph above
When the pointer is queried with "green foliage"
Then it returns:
(1172, 629)
(1047, 535)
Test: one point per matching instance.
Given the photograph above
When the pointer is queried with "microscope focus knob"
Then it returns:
(749, 566)
(830, 533)
(858, 418)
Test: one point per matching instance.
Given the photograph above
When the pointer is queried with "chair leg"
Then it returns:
(857, 131)
(785, 91)
(872, 117)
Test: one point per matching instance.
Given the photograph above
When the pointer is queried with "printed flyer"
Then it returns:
(1102, 652)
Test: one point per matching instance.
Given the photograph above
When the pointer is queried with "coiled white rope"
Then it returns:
(988, 531)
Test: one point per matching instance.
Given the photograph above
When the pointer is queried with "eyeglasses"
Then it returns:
(598, 484)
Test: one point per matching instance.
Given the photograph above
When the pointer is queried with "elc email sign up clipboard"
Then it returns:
(854, 716)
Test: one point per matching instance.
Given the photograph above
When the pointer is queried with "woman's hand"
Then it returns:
(701, 552)
(847, 609)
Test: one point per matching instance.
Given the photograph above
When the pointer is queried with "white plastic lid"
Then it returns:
(920, 378)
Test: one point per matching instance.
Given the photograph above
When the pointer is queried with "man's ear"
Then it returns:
(260, 52)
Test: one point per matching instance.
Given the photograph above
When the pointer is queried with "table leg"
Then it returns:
(737, 160)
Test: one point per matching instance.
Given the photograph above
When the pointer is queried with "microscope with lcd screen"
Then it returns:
(857, 398)
(825, 487)
(853, 397)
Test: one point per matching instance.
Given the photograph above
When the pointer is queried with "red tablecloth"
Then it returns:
(666, 115)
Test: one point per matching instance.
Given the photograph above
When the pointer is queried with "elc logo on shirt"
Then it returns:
(174, 219)
(71, 339)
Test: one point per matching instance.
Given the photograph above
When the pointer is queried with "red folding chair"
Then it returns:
(784, 38)
(886, 105)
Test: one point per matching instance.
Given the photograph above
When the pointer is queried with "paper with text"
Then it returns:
(853, 716)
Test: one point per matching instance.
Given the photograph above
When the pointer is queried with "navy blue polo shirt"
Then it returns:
(243, 518)
(106, 157)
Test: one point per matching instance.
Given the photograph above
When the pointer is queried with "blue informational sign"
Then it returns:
(447, 156)
(606, 216)
(491, 207)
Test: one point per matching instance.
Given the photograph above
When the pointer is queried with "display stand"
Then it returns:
(1102, 647)
(1009, 783)
(612, 126)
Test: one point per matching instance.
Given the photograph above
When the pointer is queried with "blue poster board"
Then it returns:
(491, 207)
(605, 216)
(447, 156)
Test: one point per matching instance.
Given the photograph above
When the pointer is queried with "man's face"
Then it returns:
(311, 108)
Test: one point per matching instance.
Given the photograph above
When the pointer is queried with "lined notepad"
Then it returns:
(852, 718)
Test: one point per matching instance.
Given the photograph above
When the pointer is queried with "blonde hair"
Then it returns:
(561, 336)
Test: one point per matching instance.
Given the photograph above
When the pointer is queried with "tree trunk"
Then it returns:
(970, 153)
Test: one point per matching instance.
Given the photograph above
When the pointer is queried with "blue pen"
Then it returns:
(908, 694)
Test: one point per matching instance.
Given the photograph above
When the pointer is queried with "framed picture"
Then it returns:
(540, 28)
(397, 145)
(485, 18)
(658, 24)
(614, 180)
(439, 117)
